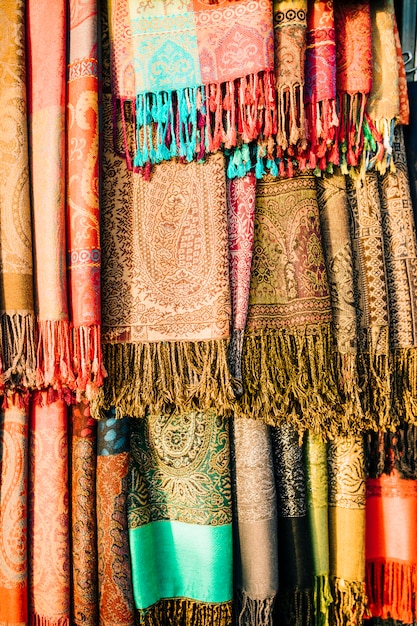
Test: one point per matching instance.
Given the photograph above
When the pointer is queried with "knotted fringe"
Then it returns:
(88, 365)
(295, 607)
(391, 588)
(349, 602)
(352, 416)
(379, 136)
(375, 384)
(163, 376)
(19, 351)
(235, 360)
(192, 122)
(352, 131)
(322, 123)
(184, 612)
(388, 451)
(291, 121)
(404, 384)
(291, 374)
(322, 600)
(38, 620)
(251, 612)
(54, 355)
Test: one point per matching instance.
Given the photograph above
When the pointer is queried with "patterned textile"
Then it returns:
(166, 304)
(82, 196)
(241, 193)
(315, 461)
(46, 97)
(320, 92)
(345, 459)
(391, 547)
(114, 568)
(84, 595)
(404, 115)
(288, 343)
(180, 519)
(49, 580)
(335, 228)
(255, 523)
(17, 342)
(202, 73)
(353, 75)
(13, 515)
(295, 602)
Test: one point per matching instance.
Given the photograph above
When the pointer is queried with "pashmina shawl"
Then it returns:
(241, 193)
(288, 365)
(255, 528)
(202, 75)
(18, 350)
(114, 567)
(295, 602)
(353, 76)
(13, 515)
(46, 97)
(49, 532)
(83, 197)
(320, 92)
(84, 596)
(180, 519)
(391, 547)
(346, 470)
(166, 292)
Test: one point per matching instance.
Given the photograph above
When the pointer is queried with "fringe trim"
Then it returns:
(18, 358)
(184, 612)
(54, 355)
(322, 599)
(379, 138)
(291, 120)
(350, 135)
(163, 376)
(191, 122)
(88, 364)
(389, 451)
(348, 608)
(235, 360)
(290, 376)
(295, 607)
(251, 612)
(350, 389)
(322, 123)
(404, 384)
(391, 588)
(39, 620)
(376, 394)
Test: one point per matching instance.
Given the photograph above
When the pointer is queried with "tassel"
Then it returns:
(391, 588)
(254, 612)
(19, 351)
(88, 361)
(185, 612)
(295, 607)
(54, 355)
(349, 602)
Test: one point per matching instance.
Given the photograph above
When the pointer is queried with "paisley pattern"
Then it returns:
(289, 472)
(180, 470)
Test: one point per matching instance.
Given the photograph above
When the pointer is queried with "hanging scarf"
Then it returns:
(404, 115)
(290, 24)
(391, 547)
(180, 519)
(49, 589)
(335, 228)
(383, 107)
(353, 76)
(82, 197)
(288, 343)
(295, 602)
(83, 512)
(202, 77)
(345, 458)
(18, 358)
(241, 222)
(114, 568)
(315, 460)
(166, 305)
(320, 92)
(47, 66)
(255, 523)
(13, 515)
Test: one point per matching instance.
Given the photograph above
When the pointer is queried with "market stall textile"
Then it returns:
(180, 519)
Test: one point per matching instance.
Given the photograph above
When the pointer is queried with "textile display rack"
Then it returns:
(208, 294)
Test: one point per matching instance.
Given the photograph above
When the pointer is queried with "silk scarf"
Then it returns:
(288, 341)
(255, 530)
(202, 78)
(166, 293)
(49, 529)
(115, 594)
(14, 458)
(346, 471)
(180, 519)
(18, 357)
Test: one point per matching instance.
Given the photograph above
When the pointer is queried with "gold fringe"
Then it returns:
(322, 599)
(254, 612)
(349, 602)
(375, 383)
(184, 612)
(351, 391)
(18, 359)
(162, 376)
(404, 385)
